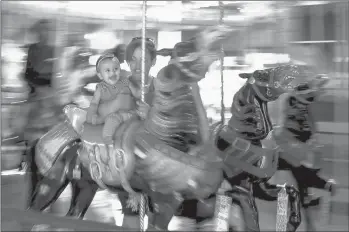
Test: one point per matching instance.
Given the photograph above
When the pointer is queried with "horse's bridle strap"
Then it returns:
(242, 158)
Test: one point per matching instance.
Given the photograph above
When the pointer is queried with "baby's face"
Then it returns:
(109, 71)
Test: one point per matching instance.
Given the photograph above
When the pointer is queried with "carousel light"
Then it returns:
(257, 9)
(172, 12)
(311, 3)
(43, 4)
(100, 9)
(12, 54)
(102, 40)
(201, 4)
(237, 18)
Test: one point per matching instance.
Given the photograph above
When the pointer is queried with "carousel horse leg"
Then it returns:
(83, 192)
(308, 178)
(244, 198)
(47, 192)
(45, 189)
(165, 207)
(311, 178)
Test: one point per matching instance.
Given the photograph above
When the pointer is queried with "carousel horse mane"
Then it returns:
(250, 112)
(297, 119)
(250, 118)
(173, 117)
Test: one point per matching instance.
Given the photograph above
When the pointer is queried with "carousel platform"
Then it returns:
(14, 194)
(105, 206)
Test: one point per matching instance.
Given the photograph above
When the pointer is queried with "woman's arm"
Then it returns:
(134, 90)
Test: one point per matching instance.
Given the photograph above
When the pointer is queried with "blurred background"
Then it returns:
(267, 34)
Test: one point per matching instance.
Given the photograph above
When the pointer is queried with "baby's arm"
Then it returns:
(92, 110)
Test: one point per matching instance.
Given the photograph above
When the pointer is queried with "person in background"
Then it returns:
(40, 61)
(44, 103)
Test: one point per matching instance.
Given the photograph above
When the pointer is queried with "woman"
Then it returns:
(133, 58)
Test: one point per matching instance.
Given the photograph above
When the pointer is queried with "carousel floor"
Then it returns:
(105, 207)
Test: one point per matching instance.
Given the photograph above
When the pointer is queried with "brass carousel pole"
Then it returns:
(223, 201)
(221, 11)
(143, 202)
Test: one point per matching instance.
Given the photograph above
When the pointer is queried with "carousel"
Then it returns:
(169, 158)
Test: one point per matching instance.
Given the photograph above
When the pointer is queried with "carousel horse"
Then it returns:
(295, 138)
(246, 163)
(148, 156)
(155, 153)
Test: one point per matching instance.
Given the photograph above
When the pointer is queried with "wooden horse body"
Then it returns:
(143, 149)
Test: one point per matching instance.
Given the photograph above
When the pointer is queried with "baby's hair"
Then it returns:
(108, 56)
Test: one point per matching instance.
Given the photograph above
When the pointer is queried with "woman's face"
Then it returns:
(136, 63)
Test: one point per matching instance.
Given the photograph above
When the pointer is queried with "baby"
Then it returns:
(113, 102)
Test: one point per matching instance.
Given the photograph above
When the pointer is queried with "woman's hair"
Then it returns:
(137, 42)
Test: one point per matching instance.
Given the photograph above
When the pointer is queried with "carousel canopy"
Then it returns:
(160, 14)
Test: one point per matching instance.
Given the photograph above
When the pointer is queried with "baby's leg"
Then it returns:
(112, 122)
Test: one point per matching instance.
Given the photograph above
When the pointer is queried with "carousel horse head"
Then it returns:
(194, 57)
(308, 92)
(174, 113)
(269, 84)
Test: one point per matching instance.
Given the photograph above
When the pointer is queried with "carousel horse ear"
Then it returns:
(245, 75)
(165, 52)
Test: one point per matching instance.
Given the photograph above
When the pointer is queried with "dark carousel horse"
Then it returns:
(299, 127)
(247, 164)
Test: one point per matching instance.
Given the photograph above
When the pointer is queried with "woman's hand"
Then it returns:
(143, 109)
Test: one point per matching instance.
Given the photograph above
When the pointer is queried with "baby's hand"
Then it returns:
(94, 119)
